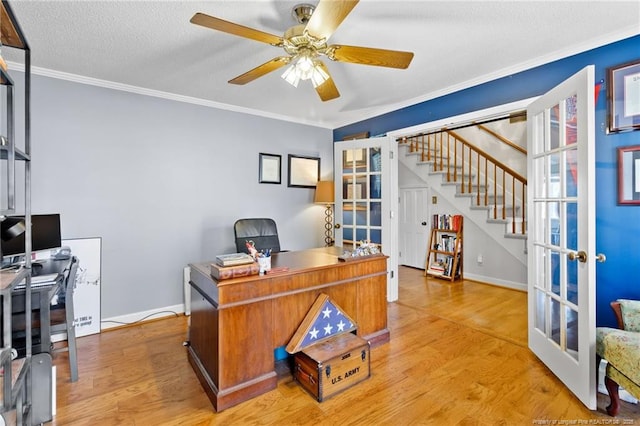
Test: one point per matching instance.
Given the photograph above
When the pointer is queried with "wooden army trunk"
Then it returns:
(331, 366)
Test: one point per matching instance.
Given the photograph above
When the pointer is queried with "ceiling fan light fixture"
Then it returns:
(318, 77)
(291, 76)
(305, 68)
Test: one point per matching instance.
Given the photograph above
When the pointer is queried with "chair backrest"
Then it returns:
(262, 231)
(630, 313)
(65, 293)
(70, 283)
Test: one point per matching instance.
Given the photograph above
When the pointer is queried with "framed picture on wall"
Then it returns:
(270, 168)
(304, 172)
(623, 97)
(629, 175)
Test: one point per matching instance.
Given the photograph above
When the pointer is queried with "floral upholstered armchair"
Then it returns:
(621, 348)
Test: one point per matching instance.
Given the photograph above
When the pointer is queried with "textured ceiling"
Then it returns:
(151, 47)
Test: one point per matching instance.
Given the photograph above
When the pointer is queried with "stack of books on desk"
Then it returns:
(233, 266)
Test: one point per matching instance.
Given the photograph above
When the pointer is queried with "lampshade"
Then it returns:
(324, 192)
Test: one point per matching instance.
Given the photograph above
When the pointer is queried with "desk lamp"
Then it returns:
(325, 195)
(10, 228)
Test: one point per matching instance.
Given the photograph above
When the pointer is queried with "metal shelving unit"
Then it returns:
(16, 374)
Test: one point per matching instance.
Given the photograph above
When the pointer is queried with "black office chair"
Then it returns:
(262, 231)
(62, 317)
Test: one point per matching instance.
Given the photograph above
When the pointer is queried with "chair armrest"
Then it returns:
(618, 311)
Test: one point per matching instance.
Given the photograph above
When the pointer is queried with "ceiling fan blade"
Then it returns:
(370, 56)
(261, 70)
(327, 16)
(235, 29)
(328, 89)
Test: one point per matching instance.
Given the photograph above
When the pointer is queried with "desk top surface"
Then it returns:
(41, 268)
(290, 262)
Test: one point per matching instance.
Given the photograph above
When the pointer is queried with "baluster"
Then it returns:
(504, 195)
(448, 157)
(455, 159)
(523, 203)
(441, 154)
(495, 189)
(478, 179)
(486, 181)
(470, 179)
(513, 203)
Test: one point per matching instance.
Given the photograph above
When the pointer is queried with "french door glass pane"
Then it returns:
(571, 120)
(375, 214)
(572, 281)
(571, 166)
(540, 311)
(572, 332)
(556, 324)
(571, 225)
(554, 128)
(555, 272)
(361, 214)
(540, 189)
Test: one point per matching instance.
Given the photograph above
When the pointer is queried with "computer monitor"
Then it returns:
(45, 235)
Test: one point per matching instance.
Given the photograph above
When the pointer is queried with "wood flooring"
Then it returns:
(458, 356)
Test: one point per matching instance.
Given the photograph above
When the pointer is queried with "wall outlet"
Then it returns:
(480, 259)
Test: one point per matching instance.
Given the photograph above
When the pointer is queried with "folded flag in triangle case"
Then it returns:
(323, 320)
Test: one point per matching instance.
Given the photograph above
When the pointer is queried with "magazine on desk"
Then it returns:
(234, 259)
(39, 281)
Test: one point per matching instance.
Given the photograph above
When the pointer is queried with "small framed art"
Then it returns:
(623, 97)
(629, 175)
(270, 168)
(304, 172)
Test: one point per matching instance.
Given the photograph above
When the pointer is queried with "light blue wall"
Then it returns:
(162, 182)
(617, 227)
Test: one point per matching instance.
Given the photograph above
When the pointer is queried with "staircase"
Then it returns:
(484, 189)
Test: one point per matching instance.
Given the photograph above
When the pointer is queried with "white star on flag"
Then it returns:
(327, 329)
(314, 333)
(327, 312)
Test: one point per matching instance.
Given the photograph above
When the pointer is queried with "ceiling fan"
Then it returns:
(305, 43)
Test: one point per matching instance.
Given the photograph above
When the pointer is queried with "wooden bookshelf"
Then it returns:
(444, 254)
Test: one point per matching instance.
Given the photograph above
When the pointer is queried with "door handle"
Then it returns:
(337, 226)
(580, 256)
(424, 223)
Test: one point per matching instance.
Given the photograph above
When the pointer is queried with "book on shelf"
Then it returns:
(227, 272)
(234, 259)
(447, 221)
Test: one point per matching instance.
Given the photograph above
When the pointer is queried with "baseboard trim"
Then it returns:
(138, 317)
(497, 282)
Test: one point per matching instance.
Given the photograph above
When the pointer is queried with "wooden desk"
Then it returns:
(236, 324)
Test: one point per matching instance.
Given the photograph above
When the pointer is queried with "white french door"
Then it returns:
(561, 232)
(365, 188)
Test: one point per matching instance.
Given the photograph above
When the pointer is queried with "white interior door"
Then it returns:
(414, 226)
(561, 233)
(365, 188)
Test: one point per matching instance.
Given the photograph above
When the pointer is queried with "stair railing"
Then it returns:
(462, 162)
